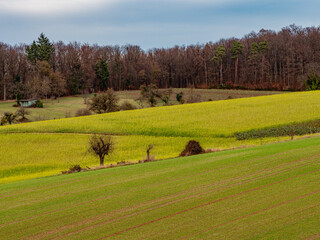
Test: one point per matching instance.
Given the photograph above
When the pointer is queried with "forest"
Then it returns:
(268, 60)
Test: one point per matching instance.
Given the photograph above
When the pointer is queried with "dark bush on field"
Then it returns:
(299, 129)
(83, 112)
(192, 148)
(126, 105)
(73, 168)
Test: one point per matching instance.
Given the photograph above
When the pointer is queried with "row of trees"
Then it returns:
(264, 60)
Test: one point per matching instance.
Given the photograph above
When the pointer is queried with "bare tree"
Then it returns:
(104, 103)
(101, 146)
(149, 148)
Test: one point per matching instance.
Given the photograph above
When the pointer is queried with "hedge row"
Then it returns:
(302, 128)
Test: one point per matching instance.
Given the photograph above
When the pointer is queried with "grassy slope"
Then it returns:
(67, 106)
(269, 192)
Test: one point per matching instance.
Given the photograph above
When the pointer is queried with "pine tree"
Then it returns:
(236, 50)
(102, 73)
(219, 53)
(40, 50)
(258, 52)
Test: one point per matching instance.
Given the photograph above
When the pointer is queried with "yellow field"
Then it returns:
(46, 148)
(209, 119)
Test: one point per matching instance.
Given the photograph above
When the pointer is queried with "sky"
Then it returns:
(148, 23)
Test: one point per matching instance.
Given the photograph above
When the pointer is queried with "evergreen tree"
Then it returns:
(258, 52)
(236, 50)
(102, 74)
(313, 81)
(40, 50)
(219, 53)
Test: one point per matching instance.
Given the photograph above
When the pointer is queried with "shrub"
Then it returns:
(104, 103)
(302, 128)
(22, 113)
(38, 104)
(8, 117)
(150, 93)
(126, 105)
(83, 112)
(179, 97)
(313, 81)
(192, 148)
(73, 169)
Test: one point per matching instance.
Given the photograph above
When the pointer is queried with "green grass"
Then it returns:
(269, 192)
(67, 106)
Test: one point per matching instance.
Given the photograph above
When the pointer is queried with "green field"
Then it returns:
(269, 192)
(46, 148)
(68, 106)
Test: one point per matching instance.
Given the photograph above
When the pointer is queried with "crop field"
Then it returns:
(68, 106)
(209, 119)
(25, 156)
(46, 148)
(269, 192)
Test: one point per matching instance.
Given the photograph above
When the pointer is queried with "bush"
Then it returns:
(126, 105)
(104, 103)
(83, 112)
(22, 113)
(179, 97)
(8, 117)
(192, 148)
(73, 169)
(38, 104)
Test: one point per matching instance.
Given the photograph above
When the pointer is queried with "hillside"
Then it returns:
(67, 106)
(46, 148)
(208, 119)
(269, 192)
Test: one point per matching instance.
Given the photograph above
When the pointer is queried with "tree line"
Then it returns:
(264, 60)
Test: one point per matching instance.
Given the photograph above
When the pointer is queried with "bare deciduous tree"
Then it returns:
(101, 146)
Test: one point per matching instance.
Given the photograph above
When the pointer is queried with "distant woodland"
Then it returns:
(264, 60)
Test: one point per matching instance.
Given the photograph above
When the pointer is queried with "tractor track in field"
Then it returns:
(286, 216)
(219, 212)
(171, 181)
(203, 205)
(159, 205)
(254, 213)
(313, 237)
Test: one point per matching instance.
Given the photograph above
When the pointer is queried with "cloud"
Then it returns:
(44, 7)
(54, 7)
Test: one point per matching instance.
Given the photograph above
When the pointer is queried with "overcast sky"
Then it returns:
(148, 23)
